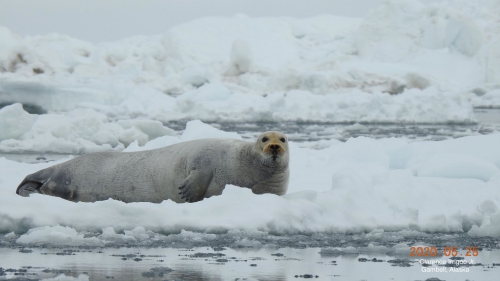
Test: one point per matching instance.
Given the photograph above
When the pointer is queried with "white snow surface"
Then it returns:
(405, 62)
(74, 132)
(357, 186)
(442, 58)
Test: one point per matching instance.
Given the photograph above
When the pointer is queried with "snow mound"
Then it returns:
(457, 166)
(78, 131)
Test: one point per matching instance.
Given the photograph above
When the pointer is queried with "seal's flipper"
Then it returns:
(195, 186)
(28, 188)
(33, 183)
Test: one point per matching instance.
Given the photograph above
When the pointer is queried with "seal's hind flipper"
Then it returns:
(28, 188)
(33, 183)
(194, 187)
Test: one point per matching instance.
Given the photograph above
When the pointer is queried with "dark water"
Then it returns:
(488, 122)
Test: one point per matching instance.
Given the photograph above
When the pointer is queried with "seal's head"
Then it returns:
(273, 147)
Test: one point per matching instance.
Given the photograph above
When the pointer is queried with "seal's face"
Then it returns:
(273, 146)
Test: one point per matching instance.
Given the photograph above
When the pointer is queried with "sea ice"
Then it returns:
(360, 185)
(406, 62)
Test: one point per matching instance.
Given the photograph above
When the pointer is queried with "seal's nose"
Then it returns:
(274, 147)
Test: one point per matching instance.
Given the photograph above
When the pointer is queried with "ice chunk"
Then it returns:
(109, 235)
(14, 121)
(199, 130)
(152, 128)
(57, 235)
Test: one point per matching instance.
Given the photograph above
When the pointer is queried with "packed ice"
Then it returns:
(406, 62)
(355, 186)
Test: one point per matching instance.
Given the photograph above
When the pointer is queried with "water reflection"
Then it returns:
(229, 264)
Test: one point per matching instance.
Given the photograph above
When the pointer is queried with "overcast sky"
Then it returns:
(109, 20)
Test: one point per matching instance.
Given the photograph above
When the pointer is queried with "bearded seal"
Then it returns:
(183, 172)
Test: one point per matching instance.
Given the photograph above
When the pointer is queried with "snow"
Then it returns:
(321, 69)
(89, 129)
(406, 62)
(75, 132)
(241, 57)
(360, 185)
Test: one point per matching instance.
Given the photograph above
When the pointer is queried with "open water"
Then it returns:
(237, 264)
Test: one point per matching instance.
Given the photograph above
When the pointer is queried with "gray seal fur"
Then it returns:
(183, 172)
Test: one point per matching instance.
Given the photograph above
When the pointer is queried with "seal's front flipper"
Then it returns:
(195, 185)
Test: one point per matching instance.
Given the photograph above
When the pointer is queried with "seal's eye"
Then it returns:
(282, 140)
(264, 139)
